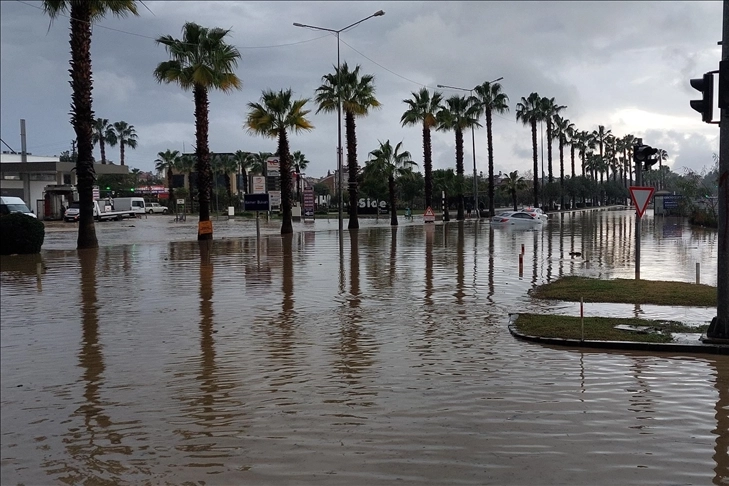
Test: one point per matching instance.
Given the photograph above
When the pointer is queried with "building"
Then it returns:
(26, 176)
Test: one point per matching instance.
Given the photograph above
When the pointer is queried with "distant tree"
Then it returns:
(165, 163)
(391, 164)
(512, 184)
(104, 133)
(527, 110)
(126, 135)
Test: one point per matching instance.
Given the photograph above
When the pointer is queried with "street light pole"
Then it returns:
(473, 142)
(379, 13)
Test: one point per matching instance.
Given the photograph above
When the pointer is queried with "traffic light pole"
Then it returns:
(719, 328)
(638, 182)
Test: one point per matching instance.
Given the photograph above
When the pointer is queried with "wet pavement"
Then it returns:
(297, 360)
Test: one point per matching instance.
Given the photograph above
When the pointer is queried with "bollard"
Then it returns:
(521, 265)
(698, 272)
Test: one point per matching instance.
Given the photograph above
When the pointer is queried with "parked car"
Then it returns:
(520, 218)
(14, 205)
(536, 213)
(156, 208)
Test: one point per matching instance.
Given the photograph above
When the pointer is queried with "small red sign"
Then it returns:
(641, 197)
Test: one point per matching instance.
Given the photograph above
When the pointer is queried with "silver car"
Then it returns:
(156, 208)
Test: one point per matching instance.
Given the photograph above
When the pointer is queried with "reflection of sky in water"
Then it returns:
(279, 360)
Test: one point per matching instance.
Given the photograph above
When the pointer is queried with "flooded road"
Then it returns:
(294, 360)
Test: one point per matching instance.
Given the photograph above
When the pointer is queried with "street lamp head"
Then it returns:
(296, 24)
(379, 13)
(497, 79)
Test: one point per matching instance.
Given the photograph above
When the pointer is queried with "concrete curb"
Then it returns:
(698, 348)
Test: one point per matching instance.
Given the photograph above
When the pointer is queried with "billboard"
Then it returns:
(275, 199)
(273, 167)
(259, 185)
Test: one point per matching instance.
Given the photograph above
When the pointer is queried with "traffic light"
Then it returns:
(645, 154)
(705, 105)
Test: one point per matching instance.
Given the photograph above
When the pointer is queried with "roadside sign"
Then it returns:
(255, 202)
(641, 197)
(259, 184)
(308, 202)
(181, 201)
(429, 215)
(205, 228)
(671, 202)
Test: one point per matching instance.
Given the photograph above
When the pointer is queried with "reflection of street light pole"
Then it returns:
(379, 13)
(473, 142)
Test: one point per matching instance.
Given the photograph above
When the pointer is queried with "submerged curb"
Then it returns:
(699, 347)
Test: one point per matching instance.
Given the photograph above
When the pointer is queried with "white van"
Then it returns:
(135, 204)
(14, 205)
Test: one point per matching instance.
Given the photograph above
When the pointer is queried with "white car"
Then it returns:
(536, 213)
(156, 208)
(518, 218)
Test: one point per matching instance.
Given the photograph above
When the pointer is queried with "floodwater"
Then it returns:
(384, 358)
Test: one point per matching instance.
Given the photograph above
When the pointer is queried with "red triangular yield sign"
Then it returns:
(429, 215)
(641, 197)
(429, 212)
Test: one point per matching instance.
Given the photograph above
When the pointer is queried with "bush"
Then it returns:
(21, 234)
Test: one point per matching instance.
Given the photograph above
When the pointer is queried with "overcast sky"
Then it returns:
(625, 65)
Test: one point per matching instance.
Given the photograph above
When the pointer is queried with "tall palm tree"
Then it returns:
(562, 129)
(527, 110)
(393, 164)
(299, 164)
(491, 100)
(103, 133)
(357, 95)
(628, 142)
(166, 162)
(272, 117)
(82, 14)
(512, 184)
(200, 61)
(422, 109)
(458, 114)
(549, 108)
(127, 137)
(584, 144)
(600, 137)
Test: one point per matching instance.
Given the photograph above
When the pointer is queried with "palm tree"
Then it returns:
(272, 117)
(392, 164)
(584, 144)
(527, 110)
(422, 109)
(600, 137)
(491, 99)
(628, 141)
(299, 164)
(513, 183)
(458, 114)
(244, 162)
(562, 128)
(661, 155)
(166, 162)
(258, 161)
(82, 14)
(200, 61)
(103, 133)
(357, 95)
(127, 137)
(225, 164)
(549, 108)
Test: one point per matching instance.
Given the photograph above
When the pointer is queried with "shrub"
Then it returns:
(21, 234)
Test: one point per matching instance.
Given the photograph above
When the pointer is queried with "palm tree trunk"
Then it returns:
(513, 198)
(550, 175)
(82, 117)
(202, 151)
(393, 209)
(170, 191)
(490, 144)
(102, 149)
(352, 168)
(459, 173)
(572, 159)
(536, 163)
(561, 172)
(285, 168)
(428, 163)
(121, 152)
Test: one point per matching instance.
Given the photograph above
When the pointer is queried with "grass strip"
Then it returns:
(600, 328)
(627, 291)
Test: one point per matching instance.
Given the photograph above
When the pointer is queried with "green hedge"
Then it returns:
(21, 234)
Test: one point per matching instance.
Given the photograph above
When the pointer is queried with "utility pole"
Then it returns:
(719, 328)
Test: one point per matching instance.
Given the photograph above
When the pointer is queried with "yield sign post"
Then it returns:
(641, 197)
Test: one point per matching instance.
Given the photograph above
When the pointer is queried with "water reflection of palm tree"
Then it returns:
(550, 232)
(208, 380)
(535, 254)
(491, 291)
(721, 448)
(393, 258)
(429, 237)
(460, 271)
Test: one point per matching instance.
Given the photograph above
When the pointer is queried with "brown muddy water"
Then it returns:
(386, 360)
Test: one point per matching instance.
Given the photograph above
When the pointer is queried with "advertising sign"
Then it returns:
(275, 199)
(308, 202)
(272, 167)
(671, 202)
(259, 185)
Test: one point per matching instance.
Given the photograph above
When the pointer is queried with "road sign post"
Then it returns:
(641, 196)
